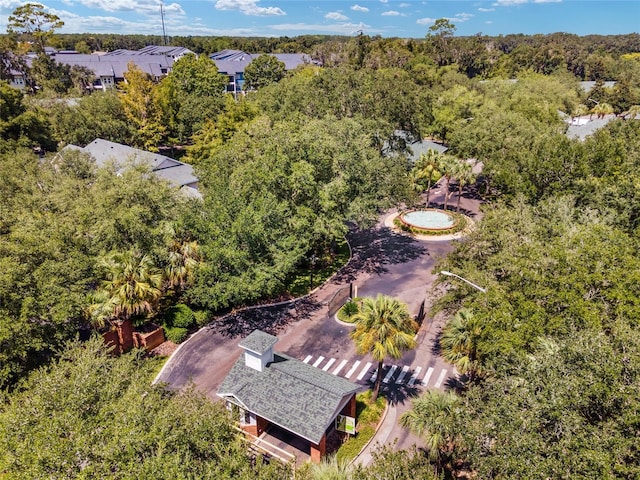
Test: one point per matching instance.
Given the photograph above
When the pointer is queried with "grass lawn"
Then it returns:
(367, 417)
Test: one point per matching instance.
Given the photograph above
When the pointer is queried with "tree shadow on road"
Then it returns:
(399, 393)
(269, 319)
(375, 248)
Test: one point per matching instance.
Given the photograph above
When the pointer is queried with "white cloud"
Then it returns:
(547, 1)
(6, 5)
(425, 21)
(391, 13)
(486, 9)
(358, 8)
(138, 6)
(404, 5)
(384, 1)
(336, 16)
(337, 28)
(461, 17)
(248, 7)
(508, 3)
(489, 22)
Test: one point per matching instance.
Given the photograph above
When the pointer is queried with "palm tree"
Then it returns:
(465, 176)
(330, 469)
(428, 166)
(459, 343)
(602, 109)
(448, 167)
(433, 417)
(579, 111)
(133, 285)
(384, 328)
(183, 259)
(633, 112)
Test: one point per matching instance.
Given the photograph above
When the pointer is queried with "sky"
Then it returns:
(387, 18)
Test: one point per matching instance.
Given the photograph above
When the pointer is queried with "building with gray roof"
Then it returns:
(233, 62)
(178, 174)
(273, 389)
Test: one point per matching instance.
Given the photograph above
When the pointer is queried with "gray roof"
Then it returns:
(289, 393)
(581, 132)
(588, 85)
(175, 172)
(235, 61)
(258, 342)
(418, 148)
(117, 64)
(164, 50)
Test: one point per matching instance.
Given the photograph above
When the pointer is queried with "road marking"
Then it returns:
(390, 373)
(364, 371)
(414, 377)
(427, 377)
(375, 375)
(404, 371)
(328, 365)
(318, 361)
(441, 378)
(339, 367)
(306, 360)
(352, 369)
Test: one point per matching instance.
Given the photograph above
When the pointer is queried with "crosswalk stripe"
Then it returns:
(414, 377)
(318, 361)
(404, 371)
(427, 377)
(441, 378)
(352, 369)
(306, 360)
(328, 365)
(339, 367)
(390, 373)
(364, 371)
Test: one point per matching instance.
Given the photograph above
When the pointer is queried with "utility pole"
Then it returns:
(164, 32)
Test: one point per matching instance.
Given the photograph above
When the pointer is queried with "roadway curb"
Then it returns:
(368, 444)
(254, 307)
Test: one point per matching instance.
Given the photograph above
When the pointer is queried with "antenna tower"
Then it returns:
(164, 32)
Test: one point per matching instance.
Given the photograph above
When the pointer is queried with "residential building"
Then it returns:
(233, 62)
(178, 174)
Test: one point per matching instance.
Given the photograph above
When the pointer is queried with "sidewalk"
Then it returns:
(381, 436)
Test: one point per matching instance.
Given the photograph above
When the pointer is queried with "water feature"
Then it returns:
(428, 219)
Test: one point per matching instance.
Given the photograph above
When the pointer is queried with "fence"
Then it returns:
(339, 298)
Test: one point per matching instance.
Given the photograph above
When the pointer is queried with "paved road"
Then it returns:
(383, 262)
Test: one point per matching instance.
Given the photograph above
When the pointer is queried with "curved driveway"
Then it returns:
(383, 262)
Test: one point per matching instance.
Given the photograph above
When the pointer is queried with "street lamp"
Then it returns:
(449, 274)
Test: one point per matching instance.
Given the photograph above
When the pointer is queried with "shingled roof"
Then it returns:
(289, 393)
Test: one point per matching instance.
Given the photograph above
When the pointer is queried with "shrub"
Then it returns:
(348, 310)
(179, 316)
(203, 317)
(176, 334)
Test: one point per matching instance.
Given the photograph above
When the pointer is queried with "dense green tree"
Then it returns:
(278, 192)
(99, 115)
(541, 417)
(140, 103)
(191, 95)
(384, 328)
(262, 71)
(92, 415)
(22, 127)
(59, 217)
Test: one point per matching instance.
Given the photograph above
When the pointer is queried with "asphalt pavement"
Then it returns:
(383, 261)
